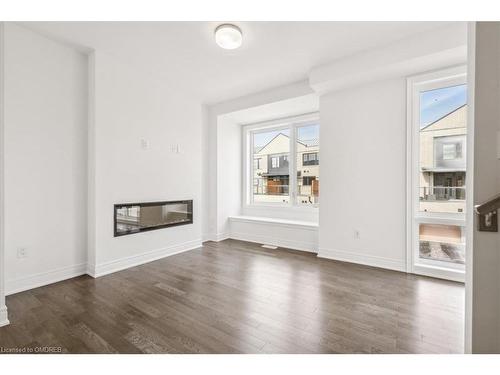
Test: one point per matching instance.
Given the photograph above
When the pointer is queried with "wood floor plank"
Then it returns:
(236, 297)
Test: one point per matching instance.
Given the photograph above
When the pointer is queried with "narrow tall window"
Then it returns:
(438, 173)
(275, 177)
(307, 167)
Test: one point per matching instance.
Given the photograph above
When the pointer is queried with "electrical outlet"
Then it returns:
(22, 252)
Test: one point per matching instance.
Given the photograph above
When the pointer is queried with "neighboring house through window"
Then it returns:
(280, 151)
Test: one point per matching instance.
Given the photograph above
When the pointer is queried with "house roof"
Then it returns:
(307, 143)
(310, 142)
(443, 117)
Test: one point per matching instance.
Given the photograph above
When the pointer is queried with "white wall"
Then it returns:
(485, 296)
(131, 105)
(229, 169)
(363, 173)
(73, 131)
(3, 309)
(363, 137)
(45, 159)
(205, 172)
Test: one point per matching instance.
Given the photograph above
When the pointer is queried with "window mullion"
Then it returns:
(251, 169)
(292, 165)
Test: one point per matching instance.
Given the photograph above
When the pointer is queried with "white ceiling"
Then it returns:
(273, 53)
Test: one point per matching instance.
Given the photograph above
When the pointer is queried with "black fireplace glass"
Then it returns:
(132, 218)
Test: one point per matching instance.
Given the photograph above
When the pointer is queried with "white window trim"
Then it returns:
(433, 80)
(292, 123)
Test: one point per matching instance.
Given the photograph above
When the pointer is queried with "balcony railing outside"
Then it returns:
(442, 193)
(271, 190)
(262, 187)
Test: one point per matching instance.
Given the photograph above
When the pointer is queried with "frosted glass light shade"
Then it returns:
(228, 36)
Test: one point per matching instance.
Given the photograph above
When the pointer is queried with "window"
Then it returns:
(307, 181)
(257, 163)
(275, 162)
(442, 139)
(307, 169)
(310, 158)
(269, 147)
(438, 172)
(444, 243)
(449, 151)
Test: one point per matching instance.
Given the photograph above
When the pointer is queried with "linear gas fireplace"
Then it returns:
(140, 217)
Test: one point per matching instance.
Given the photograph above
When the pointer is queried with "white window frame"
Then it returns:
(415, 85)
(292, 123)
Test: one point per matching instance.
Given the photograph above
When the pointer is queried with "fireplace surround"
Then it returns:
(130, 218)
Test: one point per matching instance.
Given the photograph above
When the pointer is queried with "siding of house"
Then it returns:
(278, 146)
(453, 124)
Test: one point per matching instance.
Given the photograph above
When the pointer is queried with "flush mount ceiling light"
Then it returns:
(228, 36)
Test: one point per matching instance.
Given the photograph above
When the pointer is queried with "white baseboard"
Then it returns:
(221, 237)
(44, 278)
(216, 237)
(280, 242)
(367, 260)
(439, 272)
(3, 316)
(283, 223)
(136, 260)
(91, 270)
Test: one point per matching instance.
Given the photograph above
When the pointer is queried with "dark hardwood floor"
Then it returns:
(236, 297)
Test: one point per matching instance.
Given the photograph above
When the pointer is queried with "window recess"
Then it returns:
(282, 162)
